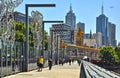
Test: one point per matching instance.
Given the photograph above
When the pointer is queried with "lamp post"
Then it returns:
(27, 31)
(43, 34)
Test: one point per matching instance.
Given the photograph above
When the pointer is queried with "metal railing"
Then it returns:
(94, 71)
(11, 57)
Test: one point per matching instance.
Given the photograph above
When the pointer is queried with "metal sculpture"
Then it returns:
(37, 19)
(7, 30)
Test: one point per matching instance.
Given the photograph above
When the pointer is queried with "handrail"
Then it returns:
(94, 71)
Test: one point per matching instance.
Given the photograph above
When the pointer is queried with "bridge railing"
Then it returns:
(94, 71)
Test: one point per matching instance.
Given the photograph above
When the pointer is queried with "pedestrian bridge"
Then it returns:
(85, 70)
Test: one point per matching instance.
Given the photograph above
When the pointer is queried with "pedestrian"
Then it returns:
(63, 60)
(78, 61)
(40, 63)
(60, 61)
(69, 61)
(50, 63)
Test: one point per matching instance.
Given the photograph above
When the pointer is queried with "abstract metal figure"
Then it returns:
(6, 18)
(37, 19)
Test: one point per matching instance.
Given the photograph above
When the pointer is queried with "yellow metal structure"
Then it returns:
(82, 47)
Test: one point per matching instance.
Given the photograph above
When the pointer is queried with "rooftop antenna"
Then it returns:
(102, 8)
(71, 7)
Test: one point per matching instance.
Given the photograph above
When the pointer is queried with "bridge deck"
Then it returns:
(58, 71)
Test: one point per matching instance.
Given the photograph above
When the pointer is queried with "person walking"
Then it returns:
(63, 61)
(78, 61)
(50, 63)
(69, 61)
(40, 63)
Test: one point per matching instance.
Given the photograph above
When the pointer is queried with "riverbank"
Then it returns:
(116, 70)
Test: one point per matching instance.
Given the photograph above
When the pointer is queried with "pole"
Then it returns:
(51, 43)
(42, 39)
(26, 55)
(27, 42)
(57, 51)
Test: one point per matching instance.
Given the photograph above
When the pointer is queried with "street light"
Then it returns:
(43, 33)
(27, 31)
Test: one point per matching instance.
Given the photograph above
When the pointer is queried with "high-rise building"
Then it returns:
(70, 18)
(90, 40)
(63, 30)
(98, 37)
(18, 16)
(102, 26)
(86, 36)
(59, 33)
(112, 34)
(82, 26)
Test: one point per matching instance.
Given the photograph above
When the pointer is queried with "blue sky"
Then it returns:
(86, 11)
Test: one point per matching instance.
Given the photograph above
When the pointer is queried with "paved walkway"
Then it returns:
(58, 71)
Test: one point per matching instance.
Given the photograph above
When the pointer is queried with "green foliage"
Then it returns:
(46, 40)
(117, 50)
(20, 29)
(20, 34)
(31, 41)
(108, 54)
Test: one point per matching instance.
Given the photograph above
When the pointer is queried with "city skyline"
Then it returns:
(85, 11)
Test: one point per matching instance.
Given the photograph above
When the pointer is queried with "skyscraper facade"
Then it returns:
(18, 16)
(112, 34)
(70, 18)
(63, 30)
(98, 38)
(82, 26)
(102, 26)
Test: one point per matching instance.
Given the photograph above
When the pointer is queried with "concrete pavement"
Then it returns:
(58, 71)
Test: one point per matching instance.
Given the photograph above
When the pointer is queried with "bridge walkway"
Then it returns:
(58, 71)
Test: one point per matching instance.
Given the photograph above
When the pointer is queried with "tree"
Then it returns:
(108, 54)
(117, 50)
(20, 34)
(20, 31)
(46, 40)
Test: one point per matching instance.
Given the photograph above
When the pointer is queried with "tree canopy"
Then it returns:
(117, 50)
(20, 34)
(108, 54)
(46, 40)
(20, 29)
